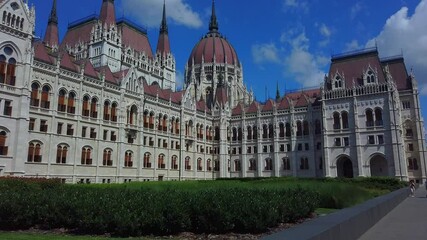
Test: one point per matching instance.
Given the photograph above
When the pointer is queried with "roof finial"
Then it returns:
(213, 25)
(277, 91)
(53, 18)
(164, 25)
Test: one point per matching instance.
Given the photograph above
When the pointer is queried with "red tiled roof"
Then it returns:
(80, 33)
(67, 62)
(398, 72)
(165, 94)
(51, 36)
(201, 105)
(40, 53)
(89, 70)
(109, 77)
(353, 67)
(284, 104)
(221, 95)
(135, 39)
(121, 74)
(253, 108)
(268, 106)
(238, 110)
(302, 101)
(163, 44)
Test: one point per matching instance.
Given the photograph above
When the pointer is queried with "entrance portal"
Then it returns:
(344, 168)
(378, 166)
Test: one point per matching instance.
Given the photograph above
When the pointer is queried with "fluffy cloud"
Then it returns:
(353, 45)
(295, 4)
(300, 63)
(407, 33)
(149, 12)
(324, 30)
(263, 53)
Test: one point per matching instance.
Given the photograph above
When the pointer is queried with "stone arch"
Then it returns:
(378, 165)
(344, 167)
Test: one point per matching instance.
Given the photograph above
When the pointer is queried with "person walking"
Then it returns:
(412, 187)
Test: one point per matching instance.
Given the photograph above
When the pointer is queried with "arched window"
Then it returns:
(174, 162)
(165, 124)
(114, 112)
(161, 161)
(239, 134)
(337, 122)
(151, 120)
(304, 163)
(34, 152)
(237, 165)
(177, 127)
(208, 165)
(93, 108)
(45, 103)
(281, 130)
(369, 118)
(249, 132)
(61, 154)
(187, 163)
(288, 130)
(132, 115)
(106, 158)
(86, 156)
(299, 128)
(128, 159)
(106, 110)
(378, 117)
(306, 128)
(71, 102)
(3, 147)
(234, 135)
(217, 135)
(4, 17)
(147, 160)
(199, 164)
(344, 119)
(35, 95)
(264, 131)
(412, 164)
(268, 164)
(2, 68)
(61, 101)
(160, 121)
(370, 78)
(10, 73)
(252, 164)
(85, 109)
(286, 164)
(216, 166)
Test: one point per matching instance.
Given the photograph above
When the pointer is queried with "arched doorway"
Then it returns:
(378, 166)
(344, 168)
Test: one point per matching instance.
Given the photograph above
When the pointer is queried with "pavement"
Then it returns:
(408, 220)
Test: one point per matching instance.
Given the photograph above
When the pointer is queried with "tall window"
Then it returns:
(237, 166)
(369, 118)
(71, 103)
(174, 162)
(45, 103)
(61, 101)
(249, 133)
(299, 128)
(3, 147)
(128, 159)
(281, 130)
(286, 164)
(306, 128)
(304, 163)
(132, 115)
(318, 127)
(114, 112)
(378, 117)
(255, 133)
(217, 134)
(35, 101)
(270, 131)
(147, 160)
(239, 134)
(288, 129)
(61, 154)
(106, 158)
(268, 164)
(34, 152)
(412, 164)
(264, 131)
(344, 118)
(252, 165)
(86, 158)
(216, 165)
(107, 111)
(85, 108)
(161, 162)
(187, 163)
(199, 164)
(93, 110)
(370, 78)
(337, 124)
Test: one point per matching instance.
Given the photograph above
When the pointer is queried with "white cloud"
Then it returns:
(353, 45)
(149, 12)
(325, 30)
(407, 33)
(302, 4)
(304, 66)
(262, 53)
(355, 9)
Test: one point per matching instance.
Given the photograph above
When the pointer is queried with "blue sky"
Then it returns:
(284, 41)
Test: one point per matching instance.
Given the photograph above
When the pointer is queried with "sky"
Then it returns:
(288, 43)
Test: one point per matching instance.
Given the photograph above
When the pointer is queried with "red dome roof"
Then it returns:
(213, 44)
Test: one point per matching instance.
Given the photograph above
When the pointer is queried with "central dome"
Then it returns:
(213, 47)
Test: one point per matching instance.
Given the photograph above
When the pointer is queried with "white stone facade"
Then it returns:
(118, 117)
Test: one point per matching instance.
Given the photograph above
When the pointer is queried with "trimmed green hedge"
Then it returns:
(46, 204)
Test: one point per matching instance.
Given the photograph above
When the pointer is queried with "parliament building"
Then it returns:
(101, 106)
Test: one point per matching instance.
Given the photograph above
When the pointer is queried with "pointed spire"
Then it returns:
(51, 37)
(277, 92)
(108, 12)
(164, 25)
(53, 18)
(163, 44)
(213, 24)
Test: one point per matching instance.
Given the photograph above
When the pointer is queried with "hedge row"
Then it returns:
(135, 212)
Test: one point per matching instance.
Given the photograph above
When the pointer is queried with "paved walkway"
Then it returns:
(406, 221)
